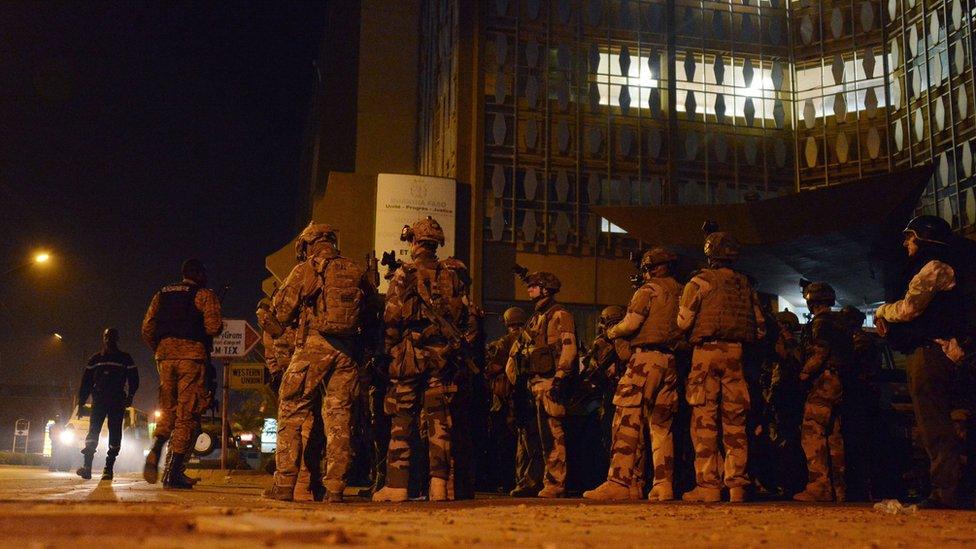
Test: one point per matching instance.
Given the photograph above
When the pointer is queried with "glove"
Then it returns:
(560, 389)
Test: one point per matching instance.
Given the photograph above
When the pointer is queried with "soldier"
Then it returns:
(827, 351)
(546, 355)
(720, 310)
(784, 408)
(859, 407)
(428, 323)
(111, 379)
(647, 392)
(603, 366)
(328, 293)
(929, 320)
(505, 444)
(279, 347)
(182, 320)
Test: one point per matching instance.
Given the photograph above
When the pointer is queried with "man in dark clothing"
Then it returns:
(111, 379)
(928, 323)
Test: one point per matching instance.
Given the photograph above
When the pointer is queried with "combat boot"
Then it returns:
(108, 473)
(391, 494)
(524, 492)
(637, 490)
(150, 471)
(737, 494)
(553, 491)
(840, 494)
(280, 493)
(85, 470)
(302, 493)
(333, 497)
(814, 493)
(703, 495)
(174, 479)
(662, 491)
(608, 491)
(438, 489)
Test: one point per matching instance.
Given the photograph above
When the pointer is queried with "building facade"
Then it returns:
(545, 108)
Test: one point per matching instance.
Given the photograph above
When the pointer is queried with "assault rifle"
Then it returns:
(455, 339)
(391, 263)
(521, 272)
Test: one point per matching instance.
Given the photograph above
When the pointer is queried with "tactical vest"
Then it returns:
(436, 286)
(660, 326)
(339, 304)
(830, 329)
(726, 311)
(943, 318)
(178, 315)
(541, 354)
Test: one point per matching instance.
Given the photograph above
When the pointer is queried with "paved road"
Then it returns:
(44, 509)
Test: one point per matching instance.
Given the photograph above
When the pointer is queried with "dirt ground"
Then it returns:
(40, 509)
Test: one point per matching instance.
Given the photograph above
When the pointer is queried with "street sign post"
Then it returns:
(235, 341)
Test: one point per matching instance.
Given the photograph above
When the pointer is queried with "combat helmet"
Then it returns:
(721, 245)
(312, 234)
(854, 316)
(929, 228)
(513, 316)
(424, 230)
(611, 315)
(819, 292)
(788, 320)
(544, 280)
(656, 256)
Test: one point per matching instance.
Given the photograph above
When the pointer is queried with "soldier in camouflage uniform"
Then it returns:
(504, 444)
(783, 398)
(859, 408)
(827, 348)
(603, 365)
(328, 292)
(279, 347)
(545, 355)
(180, 324)
(647, 392)
(426, 306)
(720, 311)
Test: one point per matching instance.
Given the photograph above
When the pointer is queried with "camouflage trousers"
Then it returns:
(550, 416)
(313, 444)
(647, 393)
(420, 391)
(820, 435)
(318, 373)
(717, 391)
(182, 401)
(528, 447)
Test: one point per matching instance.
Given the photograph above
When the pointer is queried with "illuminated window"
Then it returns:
(608, 227)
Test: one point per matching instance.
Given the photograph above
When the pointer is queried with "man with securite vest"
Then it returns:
(182, 320)
(720, 312)
(111, 379)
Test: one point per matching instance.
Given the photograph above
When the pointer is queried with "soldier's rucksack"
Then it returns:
(340, 303)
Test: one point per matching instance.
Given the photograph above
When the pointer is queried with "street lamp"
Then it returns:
(58, 336)
(39, 258)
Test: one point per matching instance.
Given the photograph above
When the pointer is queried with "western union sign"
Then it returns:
(246, 375)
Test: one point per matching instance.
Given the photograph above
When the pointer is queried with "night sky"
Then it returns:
(133, 136)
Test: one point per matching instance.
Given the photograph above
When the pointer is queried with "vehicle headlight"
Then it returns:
(67, 436)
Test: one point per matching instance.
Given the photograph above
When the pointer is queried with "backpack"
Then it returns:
(341, 301)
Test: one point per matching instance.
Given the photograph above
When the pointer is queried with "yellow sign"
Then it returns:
(246, 375)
